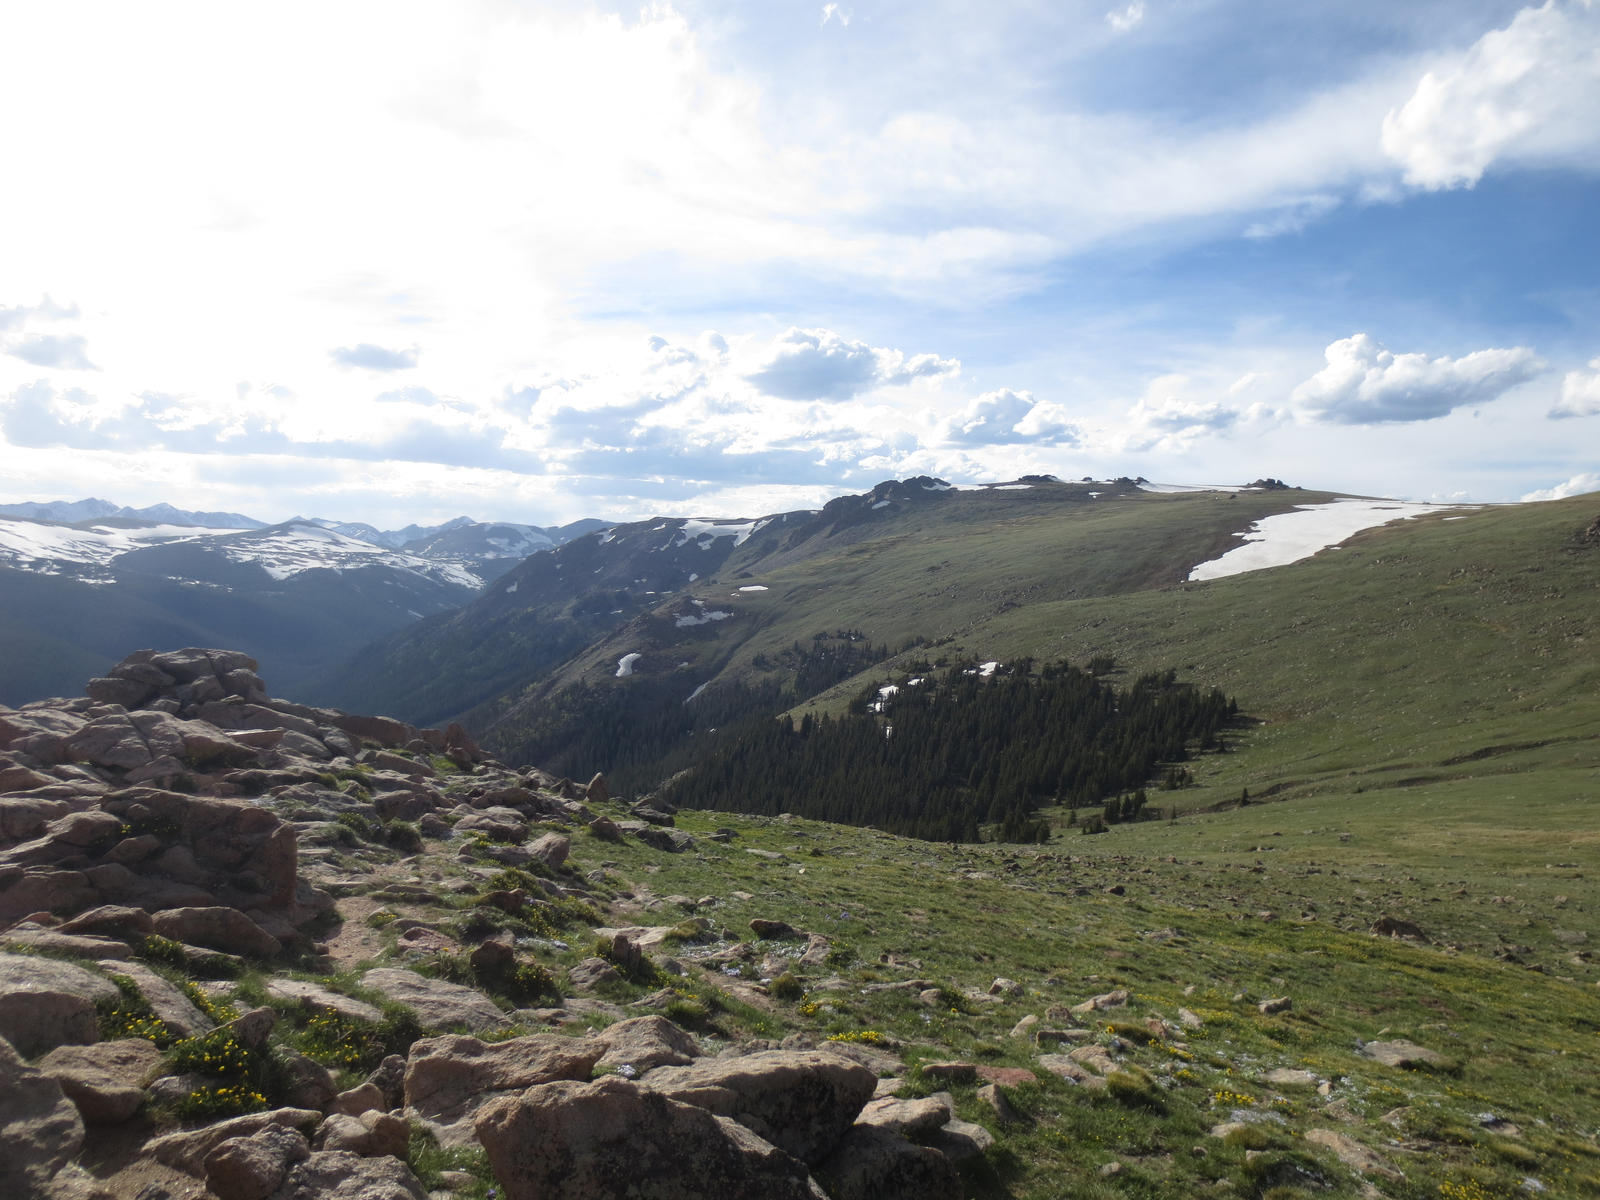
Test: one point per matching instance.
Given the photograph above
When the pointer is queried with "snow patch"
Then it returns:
(1010, 487)
(697, 691)
(706, 532)
(704, 618)
(1289, 537)
(625, 664)
(754, 587)
(883, 504)
(511, 587)
(984, 670)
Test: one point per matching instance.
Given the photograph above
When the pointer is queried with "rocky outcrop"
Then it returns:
(443, 1074)
(802, 1101)
(107, 1080)
(613, 1137)
(40, 1130)
(45, 1003)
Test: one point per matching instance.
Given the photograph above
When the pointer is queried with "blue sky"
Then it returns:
(398, 261)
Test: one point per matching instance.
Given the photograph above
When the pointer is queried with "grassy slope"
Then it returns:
(1429, 699)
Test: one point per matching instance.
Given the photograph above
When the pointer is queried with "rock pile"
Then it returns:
(179, 814)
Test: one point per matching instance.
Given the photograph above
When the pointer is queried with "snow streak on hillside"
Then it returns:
(1289, 537)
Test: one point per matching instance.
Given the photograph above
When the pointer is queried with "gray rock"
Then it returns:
(314, 995)
(219, 928)
(552, 848)
(40, 1130)
(801, 1101)
(341, 1175)
(175, 1009)
(645, 1043)
(253, 1167)
(906, 1116)
(874, 1163)
(1401, 1053)
(45, 1003)
(187, 1149)
(612, 1137)
(438, 1004)
(444, 1074)
(107, 1080)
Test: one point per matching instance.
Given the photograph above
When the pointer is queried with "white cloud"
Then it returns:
(1578, 485)
(1122, 20)
(64, 351)
(1363, 383)
(1006, 417)
(832, 12)
(1580, 393)
(1529, 92)
(818, 364)
(375, 358)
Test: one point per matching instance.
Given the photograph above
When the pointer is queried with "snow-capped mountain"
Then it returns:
(71, 511)
(297, 595)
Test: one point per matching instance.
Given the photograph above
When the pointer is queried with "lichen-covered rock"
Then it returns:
(252, 1167)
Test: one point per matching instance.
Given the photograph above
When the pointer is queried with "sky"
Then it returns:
(397, 261)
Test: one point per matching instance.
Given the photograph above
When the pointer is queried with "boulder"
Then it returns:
(314, 995)
(219, 928)
(111, 920)
(551, 849)
(801, 1101)
(187, 1149)
(1353, 1154)
(873, 1163)
(253, 1167)
(1401, 1053)
(45, 1003)
(645, 1043)
(40, 1130)
(438, 1004)
(371, 1134)
(341, 1175)
(612, 1137)
(106, 1080)
(764, 928)
(443, 1074)
(171, 1005)
(906, 1116)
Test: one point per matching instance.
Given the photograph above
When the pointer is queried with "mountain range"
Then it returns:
(82, 580)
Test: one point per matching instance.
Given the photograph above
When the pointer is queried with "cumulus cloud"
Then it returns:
(1007, 417)
(1578, 485)
(19, 315)
(1580, 393)
(1528, 92)
(818, 364)
(64, 351)
(1363, 383)
(408, 395)
(375, 358)
(1122, 20)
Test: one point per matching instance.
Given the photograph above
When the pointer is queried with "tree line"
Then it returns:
(961, 751)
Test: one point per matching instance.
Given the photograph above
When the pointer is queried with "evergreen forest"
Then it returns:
(942, 757)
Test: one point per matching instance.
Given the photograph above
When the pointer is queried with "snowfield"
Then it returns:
(625, 664)
(1289, 537)
(31, 545)
(286, 552)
